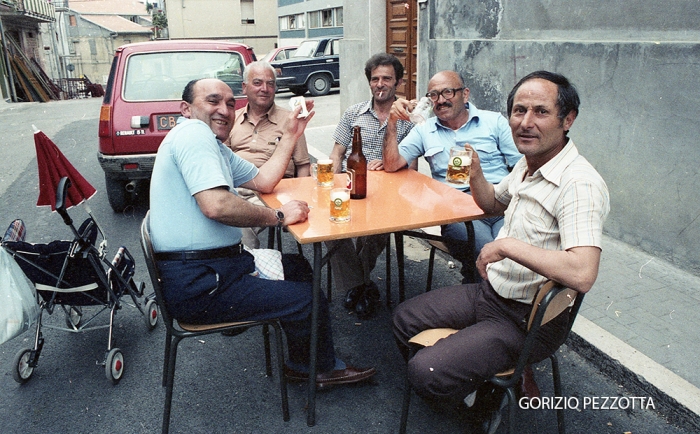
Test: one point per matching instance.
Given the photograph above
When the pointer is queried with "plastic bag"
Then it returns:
(18, 304)
(268, 263)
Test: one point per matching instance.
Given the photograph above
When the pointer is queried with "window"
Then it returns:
(247, 12)
(73, 20)
(292, 22)
(326, 18)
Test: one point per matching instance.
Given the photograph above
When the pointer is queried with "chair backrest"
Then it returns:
(562, 299)
(149, 256)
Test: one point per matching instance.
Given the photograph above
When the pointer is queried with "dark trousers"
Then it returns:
(221, 290)
(490, 337)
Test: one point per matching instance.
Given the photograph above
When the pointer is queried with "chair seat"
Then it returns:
(428, 338)
(439, 245)
(207, 327)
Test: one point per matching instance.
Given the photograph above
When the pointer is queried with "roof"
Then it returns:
(116, 23)
(109, 7)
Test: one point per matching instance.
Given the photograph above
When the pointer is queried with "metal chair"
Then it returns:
(177, 331)
(551, 300)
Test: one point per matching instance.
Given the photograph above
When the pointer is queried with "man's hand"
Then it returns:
(295, 126)
(400, 109)
(489, 253)
(375, 165)
(295, 211)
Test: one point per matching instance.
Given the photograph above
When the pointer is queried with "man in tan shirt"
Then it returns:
(257, 130)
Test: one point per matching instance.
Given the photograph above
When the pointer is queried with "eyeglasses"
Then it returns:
(446, 93)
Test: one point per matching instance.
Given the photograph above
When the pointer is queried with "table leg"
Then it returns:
(313, 351)
(471, 249)
(398, 239)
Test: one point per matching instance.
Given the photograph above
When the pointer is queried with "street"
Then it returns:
(220, 385)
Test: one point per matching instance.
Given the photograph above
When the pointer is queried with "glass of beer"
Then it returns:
(458, 166)
(340, 205)
(322, 171)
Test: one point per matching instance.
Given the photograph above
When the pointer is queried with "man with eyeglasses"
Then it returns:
(257, 131)
(457, 122)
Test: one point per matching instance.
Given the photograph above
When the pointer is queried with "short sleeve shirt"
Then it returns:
(486, 131)
(190, 160)
(560, 206)
(257, 143)
(372, 131)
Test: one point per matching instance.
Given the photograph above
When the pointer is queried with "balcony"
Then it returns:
(39, 10)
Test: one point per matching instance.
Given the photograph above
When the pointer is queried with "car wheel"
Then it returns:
(298, 91)
(117, 195)
(319, 84)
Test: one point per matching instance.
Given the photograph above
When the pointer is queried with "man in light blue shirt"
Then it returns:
(456, 123)
(195, 219)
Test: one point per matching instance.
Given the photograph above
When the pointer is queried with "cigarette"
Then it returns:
(381, 93)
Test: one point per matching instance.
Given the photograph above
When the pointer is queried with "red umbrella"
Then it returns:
(53, 165)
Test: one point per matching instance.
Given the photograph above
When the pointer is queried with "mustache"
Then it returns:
(444, 104)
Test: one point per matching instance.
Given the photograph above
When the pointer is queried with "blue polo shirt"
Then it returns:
(191, 159)
(486, 131)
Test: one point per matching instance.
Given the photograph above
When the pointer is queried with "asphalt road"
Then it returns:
(220, 385)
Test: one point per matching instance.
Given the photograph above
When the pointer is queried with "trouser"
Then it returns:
(352, 263)
(485, 231)
(491, 335)
(221, 290)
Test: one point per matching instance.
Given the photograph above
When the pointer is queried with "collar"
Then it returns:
(270, 114)
(553, 169)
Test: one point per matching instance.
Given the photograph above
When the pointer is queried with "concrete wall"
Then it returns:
(193, 19)
(364, 35)
(635, 64)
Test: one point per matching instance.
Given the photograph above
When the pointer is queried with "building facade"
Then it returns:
(304, 19)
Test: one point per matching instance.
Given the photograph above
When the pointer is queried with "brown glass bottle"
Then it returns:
(357, 167)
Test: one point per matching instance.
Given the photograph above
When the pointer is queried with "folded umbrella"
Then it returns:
(53, 165)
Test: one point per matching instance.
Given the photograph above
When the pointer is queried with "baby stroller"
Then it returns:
(71, 275)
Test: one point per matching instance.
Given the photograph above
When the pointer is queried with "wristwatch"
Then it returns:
(280, 217)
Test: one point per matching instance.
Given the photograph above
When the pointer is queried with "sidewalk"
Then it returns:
(638, 323)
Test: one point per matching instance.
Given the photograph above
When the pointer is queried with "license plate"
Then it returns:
(166, 122)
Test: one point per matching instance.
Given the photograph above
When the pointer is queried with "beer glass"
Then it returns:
(458, 166)
(422, 111)
(340, 205)
(322, 171)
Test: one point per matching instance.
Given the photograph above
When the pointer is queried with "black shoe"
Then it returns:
(367, 305)
(353, 296)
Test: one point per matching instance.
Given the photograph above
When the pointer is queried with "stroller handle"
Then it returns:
(61, 193)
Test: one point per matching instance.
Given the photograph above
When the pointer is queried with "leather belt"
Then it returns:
(197, 255)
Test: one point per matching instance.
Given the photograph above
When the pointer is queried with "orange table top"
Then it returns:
(395, 202)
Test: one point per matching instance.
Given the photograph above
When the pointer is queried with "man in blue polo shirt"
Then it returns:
(456, 123)
(196, 217)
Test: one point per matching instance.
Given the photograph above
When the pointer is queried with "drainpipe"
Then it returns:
(13, 94)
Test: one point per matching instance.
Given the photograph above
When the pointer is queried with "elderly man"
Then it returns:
(257, 130)
(353, 262)
(570, 199)
(457, 122)
(196, 217)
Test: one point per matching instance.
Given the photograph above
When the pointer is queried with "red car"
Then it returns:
(280, 53)
(142, 103)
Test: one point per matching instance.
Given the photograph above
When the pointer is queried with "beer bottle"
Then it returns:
(357, 167)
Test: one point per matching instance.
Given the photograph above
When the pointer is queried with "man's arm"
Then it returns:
(303, 170)
(482, 191)
(391, 157)
(337, 155)
(273, 170)
(575, 268)
(225, 207)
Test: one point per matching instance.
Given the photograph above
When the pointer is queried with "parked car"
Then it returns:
(280, 53)
(315, 67)
(142, 103)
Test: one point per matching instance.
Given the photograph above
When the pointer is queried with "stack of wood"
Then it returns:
(31, 82)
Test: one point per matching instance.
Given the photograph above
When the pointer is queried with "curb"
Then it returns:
(675, 398)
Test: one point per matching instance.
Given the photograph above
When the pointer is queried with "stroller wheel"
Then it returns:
(151, 314)
(114, 365)
(74, 318)
(23, 371)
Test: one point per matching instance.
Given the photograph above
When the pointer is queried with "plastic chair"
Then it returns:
(177, 331)
(551, 300)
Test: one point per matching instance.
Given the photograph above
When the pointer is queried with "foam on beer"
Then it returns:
(325, 161)
(342, 195)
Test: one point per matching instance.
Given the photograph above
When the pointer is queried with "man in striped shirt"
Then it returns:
(555, 204)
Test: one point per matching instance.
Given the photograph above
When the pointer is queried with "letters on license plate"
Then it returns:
(166, 122)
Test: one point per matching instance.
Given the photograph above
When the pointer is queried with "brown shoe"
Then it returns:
(326, 379)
